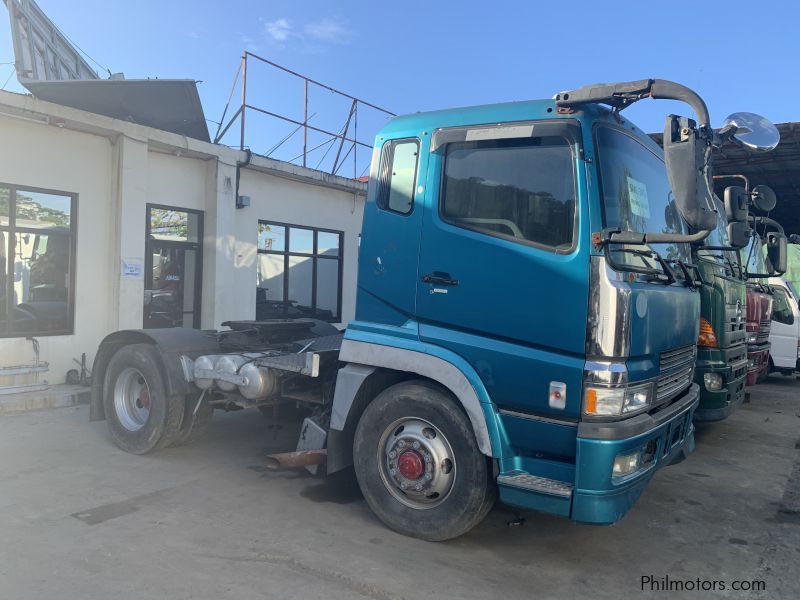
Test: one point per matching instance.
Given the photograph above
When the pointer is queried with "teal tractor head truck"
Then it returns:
(526, 323)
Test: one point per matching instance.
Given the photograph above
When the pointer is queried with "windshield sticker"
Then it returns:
(494, 133)
(637, 193)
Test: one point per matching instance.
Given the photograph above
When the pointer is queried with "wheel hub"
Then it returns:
(417, 463)
(132, 399)
(411, 465)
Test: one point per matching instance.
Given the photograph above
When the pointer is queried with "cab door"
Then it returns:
(503, 264)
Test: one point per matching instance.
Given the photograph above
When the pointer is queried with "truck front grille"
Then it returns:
(669, 386)
(763, 330)
(675, 359)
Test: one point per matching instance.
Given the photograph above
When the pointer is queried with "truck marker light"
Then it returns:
(558, 395)
(591, 401)
(707, 338)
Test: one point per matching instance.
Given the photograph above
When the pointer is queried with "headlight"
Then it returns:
(625, 464)
(752, 338)
(712, 381)
(609, 402)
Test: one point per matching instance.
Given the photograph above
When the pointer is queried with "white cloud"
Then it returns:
(193, 35)
(328, 30)
(279, 30)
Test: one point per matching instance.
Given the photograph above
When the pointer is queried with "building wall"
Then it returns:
(48, 157)
(117, 169)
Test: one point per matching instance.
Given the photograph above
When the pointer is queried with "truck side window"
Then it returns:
(398, 176)
(522, 189)
(782, 310)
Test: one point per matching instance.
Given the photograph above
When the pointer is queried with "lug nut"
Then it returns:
(415, 445)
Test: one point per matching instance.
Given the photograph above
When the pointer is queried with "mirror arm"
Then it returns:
(622, 95)
(767, 221)
(618, 236)
(669, 90)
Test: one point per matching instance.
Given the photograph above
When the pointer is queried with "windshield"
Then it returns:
(718, 237)
(636, 194)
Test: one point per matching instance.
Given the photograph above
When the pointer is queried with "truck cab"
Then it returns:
(759, 312)
(526, 320)
(784, 335)
(721, 345)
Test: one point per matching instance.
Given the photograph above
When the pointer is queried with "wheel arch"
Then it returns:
(371, 368)
(170, 345)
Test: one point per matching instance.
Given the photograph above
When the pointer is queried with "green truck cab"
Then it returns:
(721, 366)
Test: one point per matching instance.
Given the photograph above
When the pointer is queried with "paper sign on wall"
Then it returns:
(131, 268)
(637, 194)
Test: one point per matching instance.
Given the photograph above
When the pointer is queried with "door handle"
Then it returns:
(439, 278)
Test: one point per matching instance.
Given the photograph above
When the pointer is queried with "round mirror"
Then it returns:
(753, 131)
(764, 198)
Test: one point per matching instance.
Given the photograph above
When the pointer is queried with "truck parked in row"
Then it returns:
(722, 356)
(764, 256)
(526, 319)
(784, 336)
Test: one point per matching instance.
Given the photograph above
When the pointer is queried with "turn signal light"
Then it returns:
(707, 337)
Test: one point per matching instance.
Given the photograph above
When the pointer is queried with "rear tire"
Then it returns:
(418, 463)
(141, 417)
(195, 422)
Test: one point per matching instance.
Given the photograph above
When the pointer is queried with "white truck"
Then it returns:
(785, 333)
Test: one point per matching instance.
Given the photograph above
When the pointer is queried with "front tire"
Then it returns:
(141, 416)
(418, 463)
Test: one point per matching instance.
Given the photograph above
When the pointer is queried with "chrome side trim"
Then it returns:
(433, 367)
(608, 326)
(605, 372)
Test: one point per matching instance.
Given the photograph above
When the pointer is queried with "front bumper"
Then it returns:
(758, 363)
(731, 365)
(601, 498)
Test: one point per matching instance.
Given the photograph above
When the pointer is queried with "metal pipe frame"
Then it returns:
(352, 118)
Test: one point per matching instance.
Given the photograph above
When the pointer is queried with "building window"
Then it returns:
(299, 272)
(37, 261)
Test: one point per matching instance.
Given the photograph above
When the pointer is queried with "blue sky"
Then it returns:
(417, 56)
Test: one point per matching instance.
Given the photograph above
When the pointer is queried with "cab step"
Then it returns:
(533, 483)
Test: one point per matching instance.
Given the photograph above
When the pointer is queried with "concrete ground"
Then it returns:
(79, 519)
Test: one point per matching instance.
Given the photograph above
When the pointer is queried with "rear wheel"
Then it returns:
(418, 464)
(141, 416)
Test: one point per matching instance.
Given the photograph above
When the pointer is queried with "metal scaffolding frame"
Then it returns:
(343, 136)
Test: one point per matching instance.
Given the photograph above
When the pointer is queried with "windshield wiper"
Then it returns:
(615, 236)
(666, 276)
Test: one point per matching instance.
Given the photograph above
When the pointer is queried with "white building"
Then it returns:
(108, 225)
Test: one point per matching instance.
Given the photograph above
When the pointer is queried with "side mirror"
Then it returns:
(752, 131)
(739, 234)
(777, 252)
(736, 203)
(687, 168)
(764, 198)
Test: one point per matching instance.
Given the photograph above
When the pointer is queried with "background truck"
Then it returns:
(518, 264)
(759, 267)
(722, 344)
(784, 336)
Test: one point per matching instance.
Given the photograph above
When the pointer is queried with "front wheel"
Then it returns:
(141, 416)
(418, 463)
